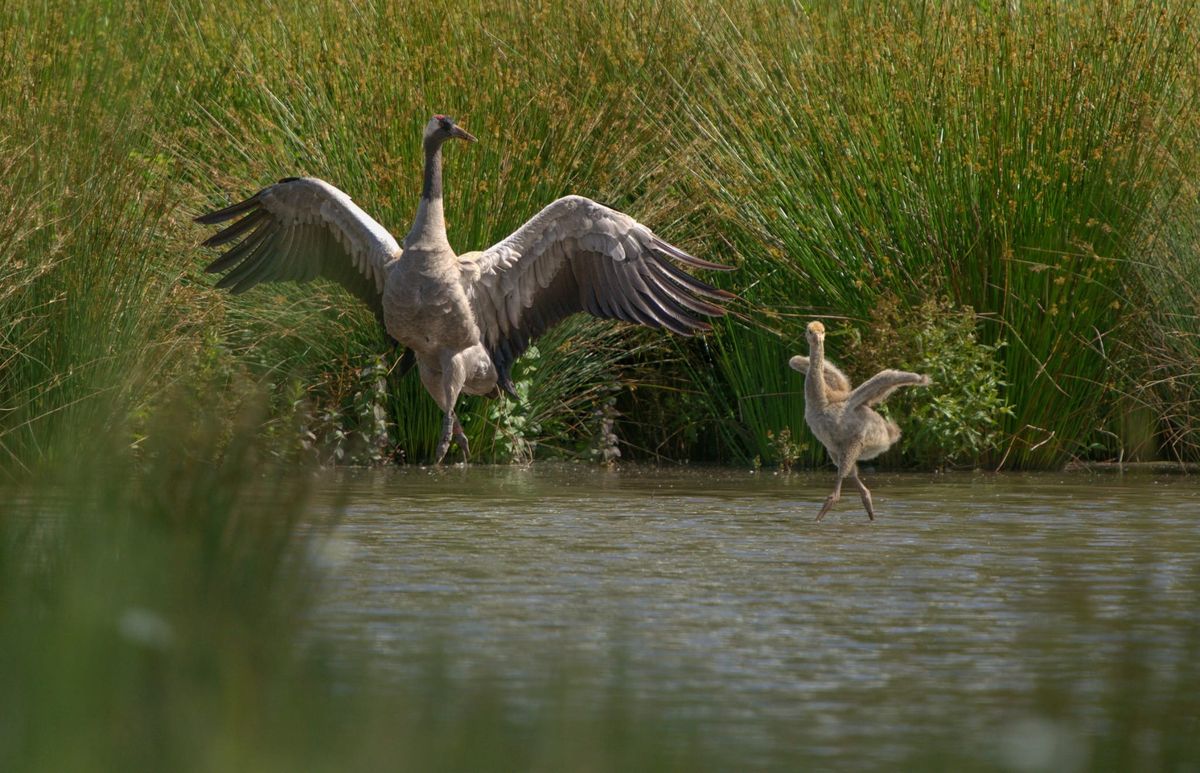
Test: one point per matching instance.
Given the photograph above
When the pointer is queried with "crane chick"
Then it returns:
(842, 418)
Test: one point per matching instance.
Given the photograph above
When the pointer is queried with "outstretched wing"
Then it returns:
(298, 229)
(576, 255)
(877, 388)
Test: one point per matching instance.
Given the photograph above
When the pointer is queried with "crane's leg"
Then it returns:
(846, 464)
(832, 499)
(863, 492)
(445, 386)
(460, 437)
(444, 441)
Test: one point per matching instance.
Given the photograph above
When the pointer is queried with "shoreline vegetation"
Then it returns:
(1004, 199)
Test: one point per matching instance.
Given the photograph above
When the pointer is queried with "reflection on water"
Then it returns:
(712, 594)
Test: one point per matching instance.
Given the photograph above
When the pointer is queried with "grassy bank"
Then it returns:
(1025, 171)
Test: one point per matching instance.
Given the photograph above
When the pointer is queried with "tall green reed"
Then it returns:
(1007, 161)
(1156, 368)
(85, 283)
(842, 153)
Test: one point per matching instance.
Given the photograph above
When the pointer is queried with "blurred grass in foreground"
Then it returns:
(154, 616)
(156, 613)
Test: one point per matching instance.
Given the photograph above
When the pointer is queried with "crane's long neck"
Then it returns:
(432, 189)
(428, 232)
(814, 382)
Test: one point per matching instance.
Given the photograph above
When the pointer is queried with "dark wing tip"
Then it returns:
(228, 213)
(210, 218)
(228, 234)
(686, 257)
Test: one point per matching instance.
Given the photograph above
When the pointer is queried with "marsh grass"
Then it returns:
(142, 607)
(1026, 166)
(1160, 366)
(1017, 163)
(84, 285)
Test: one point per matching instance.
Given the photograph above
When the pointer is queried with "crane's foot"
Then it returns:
(865, 493)
(866, 500)
(460, 438)
(830, 501)
(444, 443)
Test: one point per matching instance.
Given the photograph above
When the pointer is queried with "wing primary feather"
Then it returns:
(589, 299)
(274, 266)
(293, 267)
(247, 266)
(314, 249)
(625, 294)
(672, 316)
(660, 299)
(237, 229)
(241, 250)
(678, 311)
(664, 282)
(680, 255)
(608, 289)
(576, 255)
(231, 211)
(692, 283)
(300, 255)
(325, 235)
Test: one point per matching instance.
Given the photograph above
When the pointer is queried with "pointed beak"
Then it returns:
(462, 134)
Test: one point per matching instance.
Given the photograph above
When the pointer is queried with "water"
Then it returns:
(993, 611)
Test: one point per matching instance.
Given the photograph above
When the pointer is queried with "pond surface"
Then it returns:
(998, 611)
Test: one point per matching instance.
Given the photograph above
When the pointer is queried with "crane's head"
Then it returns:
(816, 331)
(442, 127)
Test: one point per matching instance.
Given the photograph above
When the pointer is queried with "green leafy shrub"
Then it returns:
(787, 450)
(958, 420)
(517, 429)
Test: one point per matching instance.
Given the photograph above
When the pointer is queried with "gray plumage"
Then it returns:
(841, 416)
(467, 317)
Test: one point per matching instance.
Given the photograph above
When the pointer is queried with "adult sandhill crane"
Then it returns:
(466, 317)
(842, 417)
